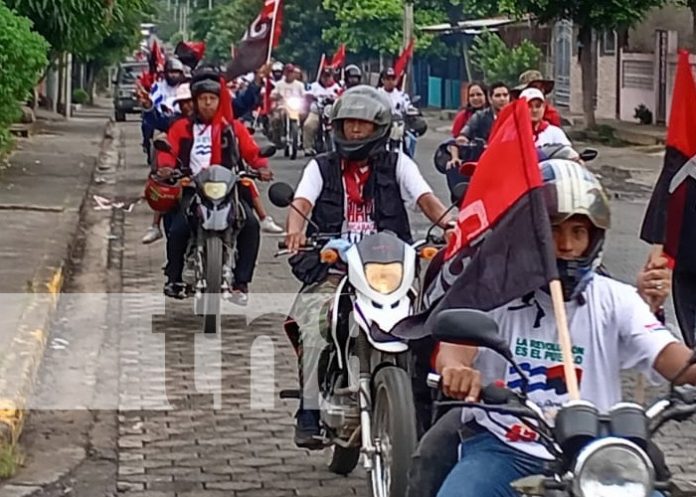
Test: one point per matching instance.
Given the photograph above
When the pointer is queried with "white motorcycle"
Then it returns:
(367, 404)
(293, 108)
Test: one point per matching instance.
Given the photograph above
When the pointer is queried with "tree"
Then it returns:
(498, 62)
(303, 26)
(23, 56)
(588, 16)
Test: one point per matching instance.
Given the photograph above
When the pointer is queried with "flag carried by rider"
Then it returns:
(339, 58)
(669, 218)
(503, 247)
(190, 53)
(257, 43)
(401, 62)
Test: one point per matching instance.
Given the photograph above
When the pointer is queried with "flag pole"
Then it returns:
(273, 26)
(321, 66)
(559, 311)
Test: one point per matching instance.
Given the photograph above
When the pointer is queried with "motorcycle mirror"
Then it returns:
(162, 145)
(459, 191)
(589, 154)
(281, 194)
(267, 151)
(470, 327)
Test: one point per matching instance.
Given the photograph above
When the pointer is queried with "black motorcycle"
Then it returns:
(324, 141)
(595, 453)
(212, 204)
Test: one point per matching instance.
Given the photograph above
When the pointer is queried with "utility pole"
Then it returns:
(210, 4)
(408, 35)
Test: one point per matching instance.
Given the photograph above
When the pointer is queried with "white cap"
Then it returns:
(183, 92)
(532, 94)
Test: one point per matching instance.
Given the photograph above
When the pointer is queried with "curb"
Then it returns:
(24, 356)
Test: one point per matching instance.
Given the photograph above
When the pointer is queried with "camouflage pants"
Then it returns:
(308, 327)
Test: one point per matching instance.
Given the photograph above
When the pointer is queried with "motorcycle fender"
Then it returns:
(217, 219)
(367, 315)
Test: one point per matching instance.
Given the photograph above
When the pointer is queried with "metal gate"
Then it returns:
(563, 55)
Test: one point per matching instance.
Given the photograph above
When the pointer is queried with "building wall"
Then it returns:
(606, 87)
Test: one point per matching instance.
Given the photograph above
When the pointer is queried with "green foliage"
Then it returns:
(80, 96)
(22, 58)
(501, 63)
(302, 42)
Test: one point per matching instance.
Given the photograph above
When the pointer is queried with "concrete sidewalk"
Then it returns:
(43, 187)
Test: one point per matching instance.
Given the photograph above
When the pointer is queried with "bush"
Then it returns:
(498, 62)
(80, 96)
(22, 58)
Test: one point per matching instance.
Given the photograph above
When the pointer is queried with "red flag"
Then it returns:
(339, 58)
(503, 247)
(190, 52)
(157, 59)
(402, 62)
(262, 35)
(673, 200)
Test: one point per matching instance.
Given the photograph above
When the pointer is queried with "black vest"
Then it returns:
(382, 187)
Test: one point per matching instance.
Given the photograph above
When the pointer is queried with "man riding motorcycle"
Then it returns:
(611, 329)
(211, 136)
(359, 189)
(325, 88)
(289, 87)
(352, 76)
(276, 72)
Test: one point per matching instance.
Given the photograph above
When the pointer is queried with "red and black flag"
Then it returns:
(671, 215)
(260, 38)
(503, 247)
(190, 53)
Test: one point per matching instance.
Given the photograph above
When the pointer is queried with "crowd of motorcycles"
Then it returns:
(367, 372)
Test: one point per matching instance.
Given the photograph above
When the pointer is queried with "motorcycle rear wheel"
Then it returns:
(213, 280)
(394, 424)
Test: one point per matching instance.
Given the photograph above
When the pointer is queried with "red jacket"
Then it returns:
(552, 116)
(460, 120)
(235, 140)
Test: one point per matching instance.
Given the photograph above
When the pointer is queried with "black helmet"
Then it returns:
(571, 189)
(353, 76)
(205, 80)
(173, 64)
(367, 104)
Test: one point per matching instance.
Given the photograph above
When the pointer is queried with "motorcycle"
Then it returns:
(292, 107)
(324, 141)
(213, 205)
(595, 454)
(366, 398)
(407, 128)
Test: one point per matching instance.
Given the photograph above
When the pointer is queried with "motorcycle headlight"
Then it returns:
(384, 278)
(613, 467)
(295, 103)
(215, 191)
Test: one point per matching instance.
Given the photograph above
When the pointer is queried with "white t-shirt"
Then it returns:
(287, 90)
(399, 100)
(162, 96)
(552, 135)
(358, 219)
(202, 148)
(320, 92)
(614, 330)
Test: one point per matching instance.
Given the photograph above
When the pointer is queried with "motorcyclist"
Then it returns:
(325, 88)
(481, 123)
(611, 329)
(358, 189)
(400, 102)
(276, 71)
(289, 87)
(210, 136)
(352, 76)
(544, 132)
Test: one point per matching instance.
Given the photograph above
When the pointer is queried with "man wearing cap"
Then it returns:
(399, 99)
(534, 79)
(545, 133)
(324, 89)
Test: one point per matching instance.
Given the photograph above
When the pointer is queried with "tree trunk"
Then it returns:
(587, 56)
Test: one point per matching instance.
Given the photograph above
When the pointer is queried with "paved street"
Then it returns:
(133, 400)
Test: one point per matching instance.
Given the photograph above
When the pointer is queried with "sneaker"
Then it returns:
(152, 234)
(307, 430)
(268, 225)
(240, 295)
(175, 291)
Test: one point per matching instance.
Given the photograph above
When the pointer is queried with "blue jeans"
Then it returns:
(487, 467)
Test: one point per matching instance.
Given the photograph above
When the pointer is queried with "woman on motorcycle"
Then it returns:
(476, 100)
(210, 137)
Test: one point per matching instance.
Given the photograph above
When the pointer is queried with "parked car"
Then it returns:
(125, 101)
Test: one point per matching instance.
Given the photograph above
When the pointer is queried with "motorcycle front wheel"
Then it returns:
(394, 430)
(343, 460)
(213, 282)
